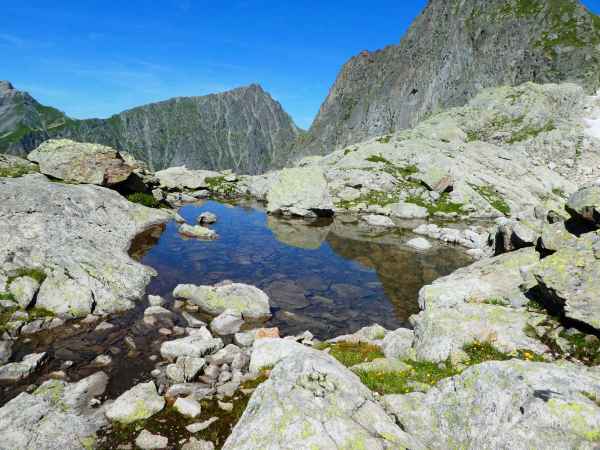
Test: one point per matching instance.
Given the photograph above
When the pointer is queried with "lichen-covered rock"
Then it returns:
(148, 441)
(442, 332)
(140, 402)
(398, 344)
(248, 300)
(312, 401)
(510, 404)
(585, 204)
(496, 279)
(23, 290)
(269, 351)
(57, 415)
(80, 232)
(5, 351)
(299, 192)
(182, 178)
(64, 296)
(570, 279)
(228, 322)
(404, 210)
(76, 162)
(556, 236)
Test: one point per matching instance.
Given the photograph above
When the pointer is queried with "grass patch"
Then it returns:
(385, 139)
(17, 171)
(530, 132)
(443, 205)
(220, 186)
(350, 354)
(7, 296)
(480, 352)
(493, 198)
(419, 373)
(144, 199)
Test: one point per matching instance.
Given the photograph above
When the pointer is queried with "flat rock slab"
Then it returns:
(312, 401)
(510, 404)
(79, 236)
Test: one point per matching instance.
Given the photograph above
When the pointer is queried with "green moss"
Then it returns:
(385, 139)
(350, 354)
(529, 132)
(493, 198)
(7, 296)
(144, 199)
(17, 171)
(31, 272)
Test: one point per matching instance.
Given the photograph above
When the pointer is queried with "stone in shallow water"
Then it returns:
(403, 210)
(379, 221)
(18, 371)
(197, 231)
(312, 401)
(250, 301)
(149, 441)
(140, 402)
(419, 243)
(207, 217)
(195, 346)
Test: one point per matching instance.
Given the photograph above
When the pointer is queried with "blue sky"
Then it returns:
(93, 58)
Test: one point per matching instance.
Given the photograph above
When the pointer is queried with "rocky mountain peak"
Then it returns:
(452, 50)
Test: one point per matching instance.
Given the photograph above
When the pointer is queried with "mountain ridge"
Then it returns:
(243, 129)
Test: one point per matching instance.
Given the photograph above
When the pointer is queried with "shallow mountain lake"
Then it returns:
(330, 276)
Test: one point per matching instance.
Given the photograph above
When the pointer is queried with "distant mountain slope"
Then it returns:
(243, 129)
(453, 50)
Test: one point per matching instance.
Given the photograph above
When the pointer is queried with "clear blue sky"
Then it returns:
(95, 58)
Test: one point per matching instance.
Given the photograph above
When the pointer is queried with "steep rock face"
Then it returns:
(452, 51)
(243, 129)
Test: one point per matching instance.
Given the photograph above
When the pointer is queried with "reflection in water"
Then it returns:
(330, 278)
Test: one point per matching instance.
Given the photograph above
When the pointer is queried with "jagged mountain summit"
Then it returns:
(244, 129)
(453, 50)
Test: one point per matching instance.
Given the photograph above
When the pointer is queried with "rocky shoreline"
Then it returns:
(503, 353)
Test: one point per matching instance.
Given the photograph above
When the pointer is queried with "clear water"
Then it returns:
(330, 278)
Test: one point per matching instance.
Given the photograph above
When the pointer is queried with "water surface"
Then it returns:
(330, 277)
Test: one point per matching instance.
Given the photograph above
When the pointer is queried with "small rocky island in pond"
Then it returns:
(419, 270)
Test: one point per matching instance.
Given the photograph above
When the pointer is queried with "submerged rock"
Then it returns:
(140, 402)
(79, 235)
(312, 401)
(248, 300)
(420, 244)
(509, 404)
(77, 162)
(57, 415)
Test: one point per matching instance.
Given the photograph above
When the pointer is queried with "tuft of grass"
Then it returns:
(218, 185)
(493, 198)
(350, 354)
(385, 139)
(17, 171)
(443, 205)
(144, 199)
(419, 373)
(480, 352)
(7, 296)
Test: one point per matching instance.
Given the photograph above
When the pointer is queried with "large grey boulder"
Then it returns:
(76, 162)
(299, 192)
(585, 204)
(248, 300)
(182, 178)
(56, 416)
(441, 333)
(79, 236)
(267, 352)
(312, 401)
(510, 404)
(140, 402)
(495, 279)
(570, 279)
